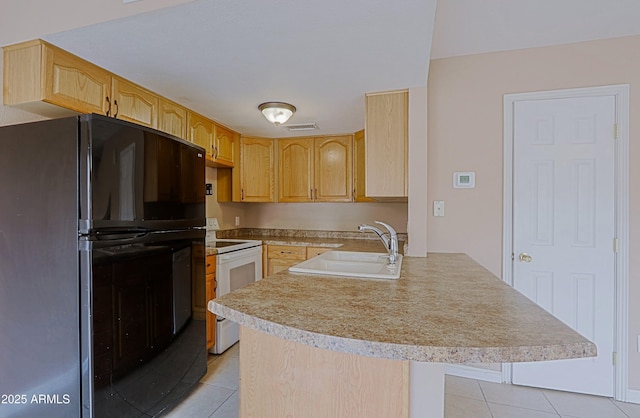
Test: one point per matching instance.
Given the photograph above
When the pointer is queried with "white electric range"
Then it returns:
(238, 264)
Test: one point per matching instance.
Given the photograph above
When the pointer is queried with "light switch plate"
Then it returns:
(212, 224)
(438, 208)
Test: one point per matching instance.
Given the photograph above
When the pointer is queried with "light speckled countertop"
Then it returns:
(444, 308)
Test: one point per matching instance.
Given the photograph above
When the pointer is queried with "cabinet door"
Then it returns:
(223, 149)
(257, 170)
(75, 84)
(295, 170)
(359, 172)
(314, 251)
(200, 131)
(386, 144)
(172, 119)
(281, 257)
(333, 169)
(276, 265)
(134, 103)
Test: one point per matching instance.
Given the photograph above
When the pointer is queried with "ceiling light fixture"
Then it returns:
(277, 112)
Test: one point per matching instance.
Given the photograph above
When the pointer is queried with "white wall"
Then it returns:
(466, 134)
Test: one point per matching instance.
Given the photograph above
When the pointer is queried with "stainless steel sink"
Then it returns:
(351, 264)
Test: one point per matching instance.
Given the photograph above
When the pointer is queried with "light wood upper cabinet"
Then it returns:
(295, 170)
(172, 118)
(386, 142)
(333, 169)
(222, 149)
(133, 103)
(200, 131)
(257, 169)
(359, 172)
(315, 169)
(46, 80)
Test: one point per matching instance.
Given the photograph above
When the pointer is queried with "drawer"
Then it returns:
(314, 251)
(287, 252)
(211, 264)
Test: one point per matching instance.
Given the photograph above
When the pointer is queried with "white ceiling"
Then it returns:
(223, 57)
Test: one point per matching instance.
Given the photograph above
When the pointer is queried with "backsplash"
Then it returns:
(298, 233)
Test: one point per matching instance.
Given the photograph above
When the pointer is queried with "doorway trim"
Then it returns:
(621, 274)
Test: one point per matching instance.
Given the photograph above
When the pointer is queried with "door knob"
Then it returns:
(525, 258)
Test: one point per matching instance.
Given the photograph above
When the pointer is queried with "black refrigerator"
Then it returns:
(101, 269)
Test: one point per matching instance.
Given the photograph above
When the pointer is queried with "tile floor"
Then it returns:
(217, 397)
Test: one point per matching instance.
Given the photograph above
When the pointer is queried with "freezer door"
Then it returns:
(142, 343)
(138, 177)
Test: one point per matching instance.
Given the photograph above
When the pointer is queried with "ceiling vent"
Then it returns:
(312, 126)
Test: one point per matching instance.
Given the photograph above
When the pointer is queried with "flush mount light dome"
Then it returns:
(277, 112)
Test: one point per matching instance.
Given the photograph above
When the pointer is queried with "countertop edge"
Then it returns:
(393, 351)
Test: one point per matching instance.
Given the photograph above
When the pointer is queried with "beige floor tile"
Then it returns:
(518, 396)
(631, 409)
(461, 407)
(460, 386)
(506, 411)
(229, 409)
(201, 402)
(583, 406)
(222, 370)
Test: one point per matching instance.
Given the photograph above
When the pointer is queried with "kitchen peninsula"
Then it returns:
(318, 346)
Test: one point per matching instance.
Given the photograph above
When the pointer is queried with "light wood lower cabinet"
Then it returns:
(210, 290)
(281, 257)
(314, 251)
(285, 378)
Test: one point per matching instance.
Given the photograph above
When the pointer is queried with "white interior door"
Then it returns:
(564, 229)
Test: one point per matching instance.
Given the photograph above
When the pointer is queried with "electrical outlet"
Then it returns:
(237, 221)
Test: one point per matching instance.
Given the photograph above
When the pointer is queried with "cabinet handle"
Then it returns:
(115, 103)
(241, 194)
(109, 108)
(316, 198)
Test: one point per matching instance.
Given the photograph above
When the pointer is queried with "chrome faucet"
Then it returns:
(391, 243)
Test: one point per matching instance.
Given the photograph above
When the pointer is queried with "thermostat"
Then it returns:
(464, 180)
